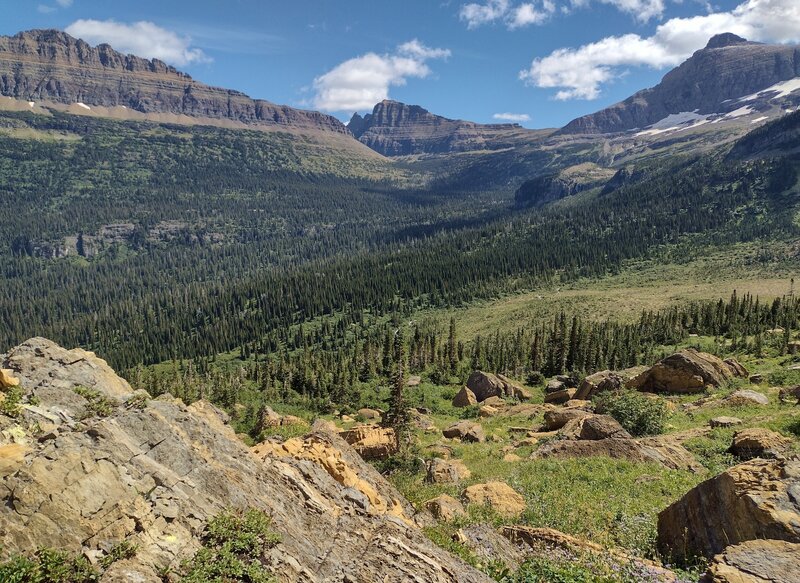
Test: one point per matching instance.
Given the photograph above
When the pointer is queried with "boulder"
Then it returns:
(686, 371)
(560, 397)
(293, 420)
(485, 385)
(498, 496)
(487, 411)
(578, 404)
(464, 398)
(367, 414)
(557, 418)
(756, 561)
(669, 455)
(413, 381)
(514, 389)
(442, 471)
(496, 402)
(746, 397)
(511, 458)
(736, 368)
(554, 386)
(594, 427)
(445, 508)
(371, 442)
(754, 500)
(267, 418)
(789, 394)
(758, 442)
(724, 422)
(599, 382)
(756, 379)
(465, 431)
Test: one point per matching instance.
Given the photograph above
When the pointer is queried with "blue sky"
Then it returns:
(549, 60)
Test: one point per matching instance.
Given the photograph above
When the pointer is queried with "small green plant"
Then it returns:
(48, 566)
(97, 403)
(11, 405)
(137, 401)
(120, 551)
(638, 414)
(233, 546)
(470, 412)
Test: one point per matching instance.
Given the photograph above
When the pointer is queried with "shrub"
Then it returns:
(97, 403)
(10, 405)
(638, 414)
(48, 566)
(233, 545)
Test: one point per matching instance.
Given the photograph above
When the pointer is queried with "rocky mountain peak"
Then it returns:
(726, 39)
(709, 82)
(53, 67)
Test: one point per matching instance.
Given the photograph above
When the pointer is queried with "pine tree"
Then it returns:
(397, 416)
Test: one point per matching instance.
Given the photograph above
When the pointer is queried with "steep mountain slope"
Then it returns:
(154, 472)
(713, 81)
(52, 66)
(397, 129)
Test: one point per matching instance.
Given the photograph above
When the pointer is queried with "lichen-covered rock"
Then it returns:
(594, 427)
(490, 546)
(724, 421)
(485, 385)
(558, 418)
(754, 500)
(560, 397)
(498, 496)
(756, 561)
(672, 456)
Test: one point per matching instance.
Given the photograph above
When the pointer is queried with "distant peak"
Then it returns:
(726, 39)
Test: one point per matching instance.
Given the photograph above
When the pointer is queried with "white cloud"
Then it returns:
(143, 39)
(45, 9)
(361, 82)
(518, 15)
(515, 117)
(64, 3)
(579, 73)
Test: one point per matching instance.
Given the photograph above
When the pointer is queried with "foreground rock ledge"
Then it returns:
(155, 475)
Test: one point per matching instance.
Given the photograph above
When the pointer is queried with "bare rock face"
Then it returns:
(52, 66)
(153, 472)
(756, 561)
(759, 499)
(757, 442)
(498, 496)
(397, 129)
(686, 371)
(594, 427)
(708, 82)
(558, 418)
(371, 442)
(560, 397)
(485, 385)
(672, 456)
(489, 545)
(445, 508)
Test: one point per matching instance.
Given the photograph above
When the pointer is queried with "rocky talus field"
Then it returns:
(126, 487)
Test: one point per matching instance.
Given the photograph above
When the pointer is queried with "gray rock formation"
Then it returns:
(729, 67)
(153, 472)
(397, 129)
(52, 66)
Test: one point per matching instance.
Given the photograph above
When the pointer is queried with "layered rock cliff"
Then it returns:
(728, 68)
(397, 129)
(52, 66)
(86, 463)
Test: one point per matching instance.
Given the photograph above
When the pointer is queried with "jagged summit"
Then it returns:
(710, 81)
(54, 67)
(398, 129)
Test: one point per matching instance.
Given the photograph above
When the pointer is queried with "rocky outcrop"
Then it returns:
(599, 382)
(729, 67)
(756, 561)
(445, 508)
(670, 455)
(485, 385)
(754, 500)
(746, 398)
(593, 428)
(548, 188)
(153, 472)
(52, 66)
(465, 431)
(371, 442)
(442, 471)
(686, 371)
(558, 418)
(397, 129)
(464, 398)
